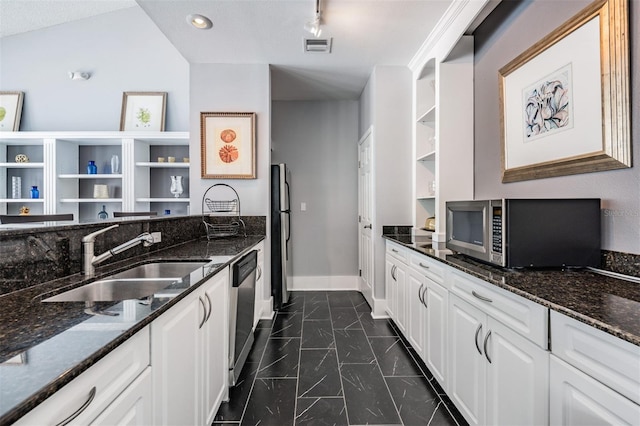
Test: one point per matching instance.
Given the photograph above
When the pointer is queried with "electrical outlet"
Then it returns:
(303, 207)
(157, 237)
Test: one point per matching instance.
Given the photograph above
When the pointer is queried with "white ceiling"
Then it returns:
(365, 33)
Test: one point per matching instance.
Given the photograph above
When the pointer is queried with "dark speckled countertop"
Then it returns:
(46, 345)
(606, 303)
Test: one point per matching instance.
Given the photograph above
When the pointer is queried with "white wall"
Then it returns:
(123, 50)
(618, 189)
(318, 142)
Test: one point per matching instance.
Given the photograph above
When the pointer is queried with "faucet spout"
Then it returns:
(145, 238)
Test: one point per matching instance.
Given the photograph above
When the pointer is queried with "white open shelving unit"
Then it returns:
(58, 168)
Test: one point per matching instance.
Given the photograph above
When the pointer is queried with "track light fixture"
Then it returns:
(314, 26)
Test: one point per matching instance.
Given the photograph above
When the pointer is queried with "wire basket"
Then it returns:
(221, 200)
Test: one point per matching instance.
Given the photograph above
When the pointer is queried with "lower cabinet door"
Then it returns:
(175, 363)
(132, 407)
(517, 378)
(391, 288)
(436, 299)
(415, 318)
(579, 400)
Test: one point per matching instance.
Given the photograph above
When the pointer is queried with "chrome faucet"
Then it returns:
(90, 260)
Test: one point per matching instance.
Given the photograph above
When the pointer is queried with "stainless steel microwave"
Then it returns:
(526, 233)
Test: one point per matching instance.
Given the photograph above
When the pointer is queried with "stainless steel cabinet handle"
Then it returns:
(92, 394)
(259, 273)
(420, 294)
(394, 250)
(368, 227)
(486, 339)
(424, 294)
(204, 308)
(393, 270)
(210, 307)
(486, 299)
(424, 266)
(476, 338)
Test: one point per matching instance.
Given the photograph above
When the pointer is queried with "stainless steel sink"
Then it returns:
(135, 283)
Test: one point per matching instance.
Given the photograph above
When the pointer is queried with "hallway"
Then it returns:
(324, 361)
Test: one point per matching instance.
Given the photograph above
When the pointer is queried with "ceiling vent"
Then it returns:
(317, 45)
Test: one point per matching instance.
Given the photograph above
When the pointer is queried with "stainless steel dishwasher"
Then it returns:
(241, 308)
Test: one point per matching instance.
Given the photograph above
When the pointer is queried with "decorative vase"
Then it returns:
(176, 186)
(92, 169)
(16, 187)
(34, 192)
(103, 213)
(115, 164)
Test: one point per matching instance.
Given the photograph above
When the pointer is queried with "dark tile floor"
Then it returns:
(324, 361)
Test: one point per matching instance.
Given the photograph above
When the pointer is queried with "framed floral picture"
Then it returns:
(564, 102)
(143, 111)
(10, 111)
(228, 145)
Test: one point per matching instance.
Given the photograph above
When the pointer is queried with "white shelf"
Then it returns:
(429, 156)
(87, 176)
(426, 197)
(163, 200)
(91, 200)
(429, 117)
(23, 165)
(22, 200)
(153, 164)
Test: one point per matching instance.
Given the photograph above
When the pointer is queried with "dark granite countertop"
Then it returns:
(46, 345)
(606, 303)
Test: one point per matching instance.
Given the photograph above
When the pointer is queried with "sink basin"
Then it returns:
(135, 283)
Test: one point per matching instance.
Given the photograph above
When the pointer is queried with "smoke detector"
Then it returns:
(317, 45)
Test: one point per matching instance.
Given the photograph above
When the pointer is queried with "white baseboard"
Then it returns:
(322, 283)
(379, 309)
(267, 309)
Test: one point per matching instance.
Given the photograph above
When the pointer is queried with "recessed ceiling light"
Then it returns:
(199, 21)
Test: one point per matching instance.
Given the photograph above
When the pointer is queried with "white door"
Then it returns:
(365, 214)
(415, 319)
(517, 378)
(436, 298)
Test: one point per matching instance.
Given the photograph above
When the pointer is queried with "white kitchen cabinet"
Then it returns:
(189, 350)
(436, 302)
(416, 284)
(396, 285)
(132, 407)
(259, 303)
(496, 375)
(391, 287)
(82, 401)
(577, 399)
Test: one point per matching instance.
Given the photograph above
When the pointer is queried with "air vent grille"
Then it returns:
(317, 45)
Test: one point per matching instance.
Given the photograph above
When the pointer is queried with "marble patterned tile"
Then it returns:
(345, 318)
(321, 412)
(353, 347)
(238, 396)
(319, 374)
(393, 358)
(375, 327)
(417, 402)
(317, 334)
(340, 299)
(272, 403)
(265, 323)
(318, 310)
(294, 304)
(366, 396)
(280, 358)
(314, 296)
(260, 338)
(287, 325)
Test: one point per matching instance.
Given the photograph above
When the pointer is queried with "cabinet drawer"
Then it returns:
(427, 267)
(109, 376)
(397, 251)
(608, 359)
(524, 316)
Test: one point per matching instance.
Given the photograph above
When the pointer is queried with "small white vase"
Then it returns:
(115, 164)
(176, 186)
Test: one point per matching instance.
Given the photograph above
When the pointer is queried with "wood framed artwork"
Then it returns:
(143, 111)
(565, 101)
(10, 111)
(228, 145)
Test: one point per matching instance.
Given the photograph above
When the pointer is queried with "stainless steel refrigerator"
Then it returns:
(281, 270)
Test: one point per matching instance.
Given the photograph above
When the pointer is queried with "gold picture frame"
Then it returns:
(143, 111)
(564, 102)
(10, 111)
(228, 145)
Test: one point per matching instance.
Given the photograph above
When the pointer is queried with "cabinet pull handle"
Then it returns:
(259, 273)
(424, 266)
(92, 394)
(479, 296)
(204, 317)
(394, 250)
(424, 293)
(420, 294)
(210, 306)
(393, 269)
(368, 227)
(476, 338)
(486, 339)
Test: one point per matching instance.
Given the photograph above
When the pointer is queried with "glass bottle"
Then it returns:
(102, 214)
(92, 169)
(176, 186)
(34, 192)
(115, 164)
